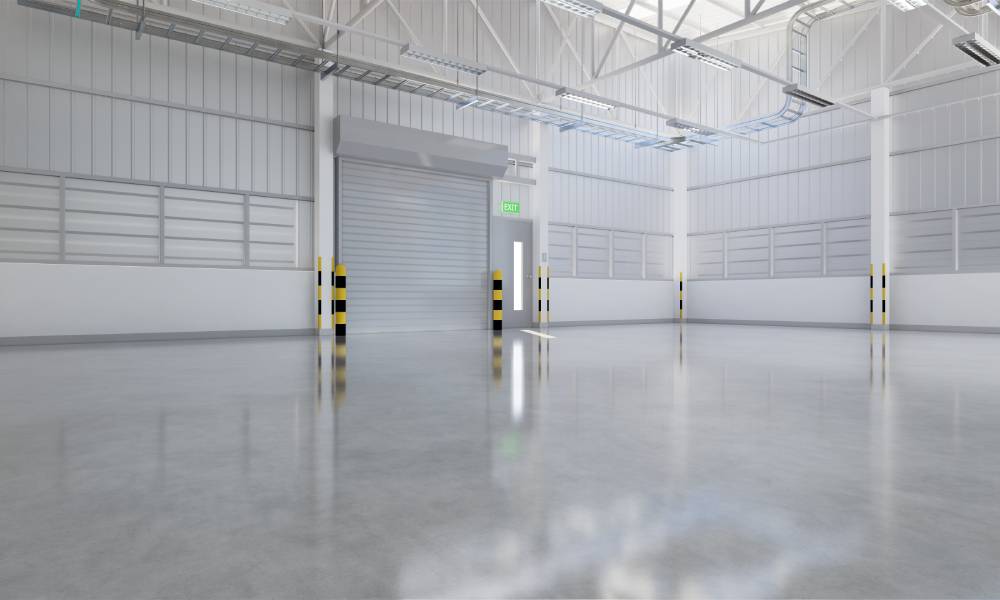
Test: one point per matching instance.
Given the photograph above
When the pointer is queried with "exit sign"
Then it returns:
(510, 208)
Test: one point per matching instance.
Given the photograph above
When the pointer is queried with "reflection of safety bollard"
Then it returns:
(340, 304)
(497, 358)
(340, 376)
(497, 300)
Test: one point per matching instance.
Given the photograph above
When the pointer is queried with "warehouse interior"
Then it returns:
(499, 298)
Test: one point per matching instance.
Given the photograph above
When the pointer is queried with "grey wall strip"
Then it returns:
(651, 186)
(828, 165)
(148, 182)
(152, 102)
(151, 337)
(821, 324)
(610, 322)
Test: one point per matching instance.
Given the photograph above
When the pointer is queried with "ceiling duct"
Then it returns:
(792, 109)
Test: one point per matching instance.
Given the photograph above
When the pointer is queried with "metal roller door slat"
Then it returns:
(415, 245)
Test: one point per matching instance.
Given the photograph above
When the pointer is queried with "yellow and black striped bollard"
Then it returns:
(548, 294)
(541, 317)
(884, 275)
(680, 296)
(319, 294)
(497, 300)
(340, 303)
(871, 294)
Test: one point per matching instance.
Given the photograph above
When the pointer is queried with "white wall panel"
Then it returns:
(945, 143)
(86, 99)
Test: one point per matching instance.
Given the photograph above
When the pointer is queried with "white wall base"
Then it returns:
(807, 300)
(576, 300)
(85, 300)
(956, 300)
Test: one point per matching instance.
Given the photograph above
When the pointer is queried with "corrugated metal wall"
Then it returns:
(946, 189)
(84, 98)
(815, 169)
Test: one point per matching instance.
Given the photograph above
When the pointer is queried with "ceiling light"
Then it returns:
(569, 126)
(584, 8)
(907, 5)
(585, 99)
(795, 91)
(249, 8)
(689, 127)
(979, 49)
(703, 54)
(450, 62)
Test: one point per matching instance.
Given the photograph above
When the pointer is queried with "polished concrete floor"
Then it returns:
(628, 461)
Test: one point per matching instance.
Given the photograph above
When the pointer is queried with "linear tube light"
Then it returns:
(907, 5)
(585, 99)
(249, 8)
(688, 127)
(795, 91)
(979, 49)
(993, 5)
(449, 62)
(583, 8)
(703, 54)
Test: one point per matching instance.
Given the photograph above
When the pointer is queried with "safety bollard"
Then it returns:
(319, 294)
(497, 300)
(340, 304)
(541, 315)
(680, 296)
(548, 294)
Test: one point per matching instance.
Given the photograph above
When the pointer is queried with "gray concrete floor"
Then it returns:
(628, 461)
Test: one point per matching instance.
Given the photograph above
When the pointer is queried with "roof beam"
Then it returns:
(618, 32)
(739, 24)
(502, 46)
(365, 10)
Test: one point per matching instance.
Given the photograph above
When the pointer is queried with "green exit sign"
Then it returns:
(510, 208)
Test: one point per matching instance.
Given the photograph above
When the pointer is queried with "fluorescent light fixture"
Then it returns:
(907, 5)
(467, 104)
(795, 91)
(993, 5)
(705, 55)
(979, 49)
(518, 276)
(250, 8)
(688, 127)
(584, 8)
(570, 126)
(585, 99)
(449, 62)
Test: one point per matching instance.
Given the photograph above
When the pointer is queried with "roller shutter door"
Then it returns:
(415, 245)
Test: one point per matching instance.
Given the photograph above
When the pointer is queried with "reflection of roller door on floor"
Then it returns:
(415, 246)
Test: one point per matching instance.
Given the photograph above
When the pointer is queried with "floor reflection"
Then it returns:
(649, 461)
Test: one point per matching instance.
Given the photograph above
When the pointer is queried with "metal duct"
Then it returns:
(798, 64)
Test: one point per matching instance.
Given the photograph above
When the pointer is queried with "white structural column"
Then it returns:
(324, 188)
(541, 148)
(881, 193)
(679, 223)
